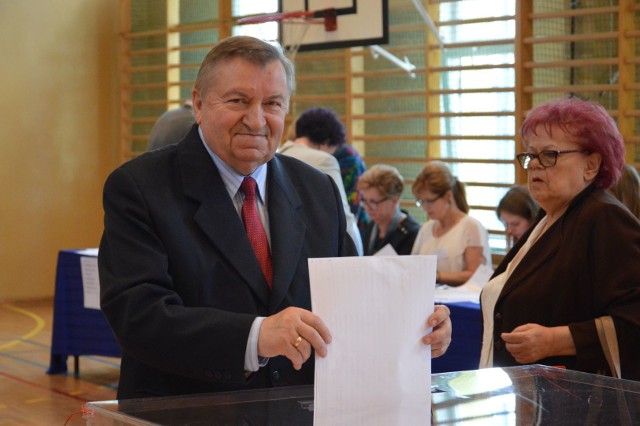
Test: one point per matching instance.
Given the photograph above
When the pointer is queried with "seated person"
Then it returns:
(628, 189)
(380, 190)
(459, 240)
(517, 210)
(311, 128)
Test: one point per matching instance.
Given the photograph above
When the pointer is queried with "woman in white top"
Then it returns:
(460, 241)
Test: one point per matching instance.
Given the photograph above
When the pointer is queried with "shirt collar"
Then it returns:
(232, 179)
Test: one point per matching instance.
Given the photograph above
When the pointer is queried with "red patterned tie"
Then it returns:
(253, 225)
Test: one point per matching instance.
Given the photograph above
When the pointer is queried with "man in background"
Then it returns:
(171, 126)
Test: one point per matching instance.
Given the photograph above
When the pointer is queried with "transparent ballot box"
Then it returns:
(497, 396)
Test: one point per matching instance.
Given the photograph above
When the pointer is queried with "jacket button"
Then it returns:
(217, 375)
(227, 376)
(275, 375)
(497, 345)
(208, 374)
(498, 317)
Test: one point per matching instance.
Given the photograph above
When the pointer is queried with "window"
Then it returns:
(460, 104)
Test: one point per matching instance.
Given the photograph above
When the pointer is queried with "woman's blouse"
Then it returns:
(450, 247)
(491, 292)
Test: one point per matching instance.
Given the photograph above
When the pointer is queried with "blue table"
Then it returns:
(79, 331)
(76, 330)
(466, 339)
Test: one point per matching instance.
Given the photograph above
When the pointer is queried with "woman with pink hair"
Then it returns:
(579, 261)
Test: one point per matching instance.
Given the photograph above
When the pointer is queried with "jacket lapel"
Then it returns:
(287, 230)
(216, 215)
(547, 246)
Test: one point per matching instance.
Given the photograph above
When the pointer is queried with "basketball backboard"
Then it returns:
(359, 23)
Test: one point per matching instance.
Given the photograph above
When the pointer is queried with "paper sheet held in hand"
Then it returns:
(377, 371)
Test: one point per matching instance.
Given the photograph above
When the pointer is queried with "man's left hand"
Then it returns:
(440, 336)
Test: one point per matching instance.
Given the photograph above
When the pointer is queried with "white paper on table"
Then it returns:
(387, 250)
(377, 371)
(87, 252)
(90, 282)
(467, 292)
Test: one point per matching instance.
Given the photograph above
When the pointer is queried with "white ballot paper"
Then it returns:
(377, 371)
(90, 282)
(467, 292)
(387, 250)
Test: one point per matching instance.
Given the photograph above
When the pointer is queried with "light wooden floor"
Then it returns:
(28, 395)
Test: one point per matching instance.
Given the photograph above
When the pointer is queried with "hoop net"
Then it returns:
(293, 26)
(292, 32)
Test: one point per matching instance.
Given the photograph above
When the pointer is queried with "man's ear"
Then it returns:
(592, 166)
(196, 100)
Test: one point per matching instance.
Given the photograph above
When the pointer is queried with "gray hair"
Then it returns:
(248, 48)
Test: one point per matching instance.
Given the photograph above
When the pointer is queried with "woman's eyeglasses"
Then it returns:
(427, 202)
(546, 158)
(372, 204)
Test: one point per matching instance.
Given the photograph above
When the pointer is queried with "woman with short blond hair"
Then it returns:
(380, 191)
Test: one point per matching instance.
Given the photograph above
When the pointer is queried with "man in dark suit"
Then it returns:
(193, 306)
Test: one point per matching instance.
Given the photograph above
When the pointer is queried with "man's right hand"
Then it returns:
(293, 332)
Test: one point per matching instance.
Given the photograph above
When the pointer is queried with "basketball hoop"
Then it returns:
(294, 25)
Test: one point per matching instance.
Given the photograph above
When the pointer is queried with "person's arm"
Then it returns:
(142, 300)
(473, 257)
(293, 333)
(253, 362)
(417, 244)
(440, 336)
(532, 342)
(614, 246)
(474, 240)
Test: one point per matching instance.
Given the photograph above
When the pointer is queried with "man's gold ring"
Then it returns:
(297, 342)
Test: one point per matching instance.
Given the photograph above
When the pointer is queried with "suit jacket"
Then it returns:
(328, 164)
(180, 284)
(586, 265)
(401, 239)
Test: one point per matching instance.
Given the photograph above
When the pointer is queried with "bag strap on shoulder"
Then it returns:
(609, 342)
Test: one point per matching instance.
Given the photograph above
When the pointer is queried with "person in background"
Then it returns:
(579, 260)
(380, 190)
(203, 262)
(517, 210)
(312, 127)
(628, 189)
(351, 167)
(459, 241)
(171, 126)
